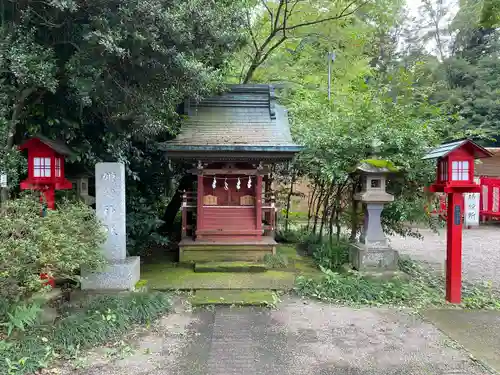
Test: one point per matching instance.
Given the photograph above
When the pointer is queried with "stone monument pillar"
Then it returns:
(372, 252)
(122, 272)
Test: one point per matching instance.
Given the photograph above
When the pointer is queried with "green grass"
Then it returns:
(98, 320)
(234, 297)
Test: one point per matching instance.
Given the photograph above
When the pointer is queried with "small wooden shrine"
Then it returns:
(229, 142)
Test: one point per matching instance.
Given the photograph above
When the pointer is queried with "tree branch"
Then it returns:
(15, 115)
(339, 16)
(271, 15)
(270, 50)
(278, 11)
(252, 35)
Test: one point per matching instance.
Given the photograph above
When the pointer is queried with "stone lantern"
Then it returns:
(373, 252)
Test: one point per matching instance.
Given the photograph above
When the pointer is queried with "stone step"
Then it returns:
(234, 297)
(230, 267)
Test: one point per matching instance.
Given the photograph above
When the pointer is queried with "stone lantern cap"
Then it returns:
(374, 173)
(370, 166)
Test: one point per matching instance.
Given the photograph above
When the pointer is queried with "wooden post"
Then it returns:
(258, 204)
(272, 215)
(199, 201)
(454, 247)
(184, 214)
(50, 198)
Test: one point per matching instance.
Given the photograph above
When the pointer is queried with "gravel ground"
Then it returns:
(480, 252)
(297, 339)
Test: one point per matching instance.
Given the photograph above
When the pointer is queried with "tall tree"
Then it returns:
(270, 24)
(106, 76)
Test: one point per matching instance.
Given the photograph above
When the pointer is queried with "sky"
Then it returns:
(413, 8)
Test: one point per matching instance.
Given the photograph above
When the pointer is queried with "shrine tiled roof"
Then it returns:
(245, 118)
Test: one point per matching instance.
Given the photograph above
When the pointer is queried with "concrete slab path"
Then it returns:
(298, 338)
(477, 331)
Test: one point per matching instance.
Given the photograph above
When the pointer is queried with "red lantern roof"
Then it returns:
(466, 144)
(58, 147)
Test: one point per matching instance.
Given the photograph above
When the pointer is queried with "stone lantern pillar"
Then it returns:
(372, 251)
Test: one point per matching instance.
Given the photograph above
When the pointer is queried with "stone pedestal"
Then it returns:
(122, 272)
(369, 259)
(373, 252)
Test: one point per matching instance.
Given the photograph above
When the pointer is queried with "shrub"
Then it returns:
(295, 235)
(57, 244)
(421, 287)
(97, 321)
(357, 289)
(331, 255)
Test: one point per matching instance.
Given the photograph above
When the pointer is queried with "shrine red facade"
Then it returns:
(229, 144)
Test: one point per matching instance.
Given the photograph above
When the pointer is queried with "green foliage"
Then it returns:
(288, 40)
(276, 260)
(357, 289)
(423, 288)
(57, 244)
(21, 316)
(474, 296)
(331, 255)
(97, 321)
(108, 78)
(288, 236)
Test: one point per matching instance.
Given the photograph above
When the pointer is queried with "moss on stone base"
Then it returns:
(230, 267)
(160, 277)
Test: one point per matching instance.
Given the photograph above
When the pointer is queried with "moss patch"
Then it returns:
(230, 267)
(162, 277)
(232, 297)
(171, 276)
(381, 164)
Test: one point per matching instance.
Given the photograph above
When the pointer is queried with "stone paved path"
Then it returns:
(298, 338)
(478, 331)
(481, 252)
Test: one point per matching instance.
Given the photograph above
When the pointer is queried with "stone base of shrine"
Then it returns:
(118, 275)
(191, 251)
(364, 258)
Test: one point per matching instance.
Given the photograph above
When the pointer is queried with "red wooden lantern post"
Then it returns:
(455, 176)
(45, 168)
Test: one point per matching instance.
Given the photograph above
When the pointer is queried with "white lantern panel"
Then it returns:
(460, 170)
(46, 167)
(36, 167)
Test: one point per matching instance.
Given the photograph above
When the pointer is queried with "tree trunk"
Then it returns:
(338, 210)
(330, 222)
(11, 129)
(354, 213)
(318, 207)
(324, 216)
(310, 205)
(186, 183)
(289, 199)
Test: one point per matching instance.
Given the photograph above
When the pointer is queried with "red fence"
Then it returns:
(489, 201)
